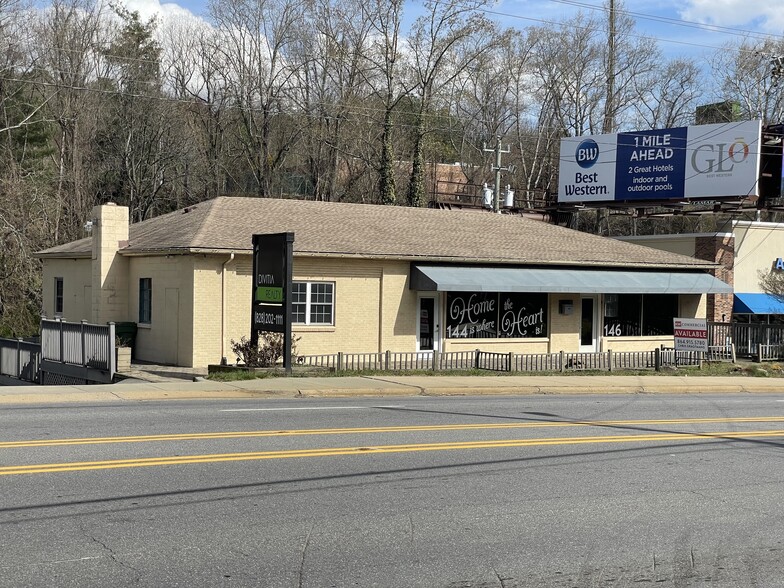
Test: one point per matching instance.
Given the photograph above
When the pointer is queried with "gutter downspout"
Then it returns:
(223, 307)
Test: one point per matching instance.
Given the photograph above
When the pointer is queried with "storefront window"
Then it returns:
(635, 315)
(484, 315)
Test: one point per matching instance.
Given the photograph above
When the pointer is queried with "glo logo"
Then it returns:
(587, 153)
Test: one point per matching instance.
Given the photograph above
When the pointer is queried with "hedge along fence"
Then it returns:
(513, 362)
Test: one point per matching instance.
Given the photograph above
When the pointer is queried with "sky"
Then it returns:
(675, 23)
(694, 29)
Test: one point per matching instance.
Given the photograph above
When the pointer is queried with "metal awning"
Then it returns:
(445, 278)
(757, 303)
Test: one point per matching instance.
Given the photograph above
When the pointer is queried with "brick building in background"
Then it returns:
(742, 256)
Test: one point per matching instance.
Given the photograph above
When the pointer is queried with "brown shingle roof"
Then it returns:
(395, 232)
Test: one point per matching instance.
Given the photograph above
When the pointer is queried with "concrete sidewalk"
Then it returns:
(136, 390)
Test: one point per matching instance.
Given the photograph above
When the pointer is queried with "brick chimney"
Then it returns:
(109, 269)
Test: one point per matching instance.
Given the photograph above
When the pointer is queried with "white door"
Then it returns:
(427, 323)
(589, 308)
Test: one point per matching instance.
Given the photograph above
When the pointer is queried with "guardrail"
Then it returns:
(515, 362)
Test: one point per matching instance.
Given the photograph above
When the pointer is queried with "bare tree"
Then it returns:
(443, 43)
(744, 74)
(256, 38)
(69, 35)
(138, 145)
(772, 282)
(670, 96)
(332, 88)
(386, 17)
(195, 71)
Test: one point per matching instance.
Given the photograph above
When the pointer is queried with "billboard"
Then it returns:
(696, 162)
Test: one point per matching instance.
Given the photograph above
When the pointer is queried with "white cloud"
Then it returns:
(765, 17)
(166, 12)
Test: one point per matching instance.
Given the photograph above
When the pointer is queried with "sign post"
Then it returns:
(271, 298)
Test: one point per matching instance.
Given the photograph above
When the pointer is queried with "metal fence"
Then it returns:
(20, 359)
(77, 353)
(514, 362)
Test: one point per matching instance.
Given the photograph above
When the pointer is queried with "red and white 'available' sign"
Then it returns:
(691, 334)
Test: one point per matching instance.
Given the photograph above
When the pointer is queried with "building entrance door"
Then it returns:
(588, 321)
(427, 323)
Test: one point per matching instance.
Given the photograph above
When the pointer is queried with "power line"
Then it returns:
(595, 30)
(677, 21)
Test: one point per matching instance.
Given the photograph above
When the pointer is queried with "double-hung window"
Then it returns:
(145, 301)
(313, 303)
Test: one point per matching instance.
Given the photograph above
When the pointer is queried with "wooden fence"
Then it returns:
(513, 362)
(753, 341)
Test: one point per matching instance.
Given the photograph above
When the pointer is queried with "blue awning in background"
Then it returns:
(757, 303)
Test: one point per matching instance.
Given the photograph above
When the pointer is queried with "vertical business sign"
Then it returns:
(271, 301)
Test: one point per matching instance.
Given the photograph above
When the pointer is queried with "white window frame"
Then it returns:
(309, 303)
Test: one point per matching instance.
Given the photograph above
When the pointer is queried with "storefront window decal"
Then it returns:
(483, 315)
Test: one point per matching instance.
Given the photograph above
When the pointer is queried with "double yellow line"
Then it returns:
(365, 430)
(378, 449)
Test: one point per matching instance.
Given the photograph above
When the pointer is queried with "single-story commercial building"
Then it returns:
(372, 278)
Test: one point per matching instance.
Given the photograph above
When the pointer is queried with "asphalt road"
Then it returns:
(566, 491)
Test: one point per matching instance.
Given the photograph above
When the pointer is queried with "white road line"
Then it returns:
(306, 408)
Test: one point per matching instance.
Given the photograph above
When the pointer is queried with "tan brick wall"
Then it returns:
(374, 309)
(636, 343)
(169, 337)
(399, 309)
(538, 345)
(367, 295)
(693, 305)
(109, 269)
(683, 244)
(564, 328)
(77, 281)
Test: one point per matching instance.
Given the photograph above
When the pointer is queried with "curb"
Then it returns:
(154, 393)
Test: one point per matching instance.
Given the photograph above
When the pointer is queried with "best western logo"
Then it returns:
(587, 153)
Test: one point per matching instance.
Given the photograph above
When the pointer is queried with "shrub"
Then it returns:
(267, 353)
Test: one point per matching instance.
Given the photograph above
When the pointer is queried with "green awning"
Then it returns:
(445, 278)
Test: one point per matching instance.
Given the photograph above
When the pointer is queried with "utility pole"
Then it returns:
(497, 169)
(609, 101)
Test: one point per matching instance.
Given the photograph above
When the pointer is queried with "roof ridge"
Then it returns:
(203, 224)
